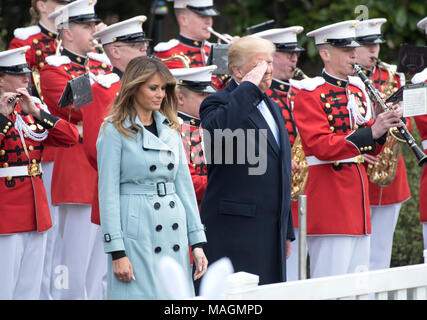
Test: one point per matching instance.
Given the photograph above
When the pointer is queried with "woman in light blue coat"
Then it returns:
(147, 202)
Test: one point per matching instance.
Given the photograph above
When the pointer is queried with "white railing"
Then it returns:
(401, 283)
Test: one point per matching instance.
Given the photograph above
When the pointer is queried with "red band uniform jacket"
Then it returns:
(73, 179)
(398, 191)
(43, 43)
(284, 95)
(197, 51)
(192, 141)
(24, 206)
(421, 122)
(104, 90)
(337, 193)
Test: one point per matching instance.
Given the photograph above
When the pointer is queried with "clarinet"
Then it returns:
(11, 99)
(403, 130)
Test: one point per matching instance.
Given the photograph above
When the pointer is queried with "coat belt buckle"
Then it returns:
(161, 189)
(359, 159)
(34, 169)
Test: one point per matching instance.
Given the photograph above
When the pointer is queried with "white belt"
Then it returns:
(424, 143)
(33, 169)
(313, 161)
(80, 128)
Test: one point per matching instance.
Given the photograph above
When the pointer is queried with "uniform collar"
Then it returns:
(189, 119)
(47, 32)
(280, 85)
(368, 72)
(118, 72)
(191, 42)
(76, 58)
(333, 80)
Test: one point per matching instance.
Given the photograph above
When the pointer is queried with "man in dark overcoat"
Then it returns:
(246, 208)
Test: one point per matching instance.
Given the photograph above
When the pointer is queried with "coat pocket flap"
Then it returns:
(237, 208)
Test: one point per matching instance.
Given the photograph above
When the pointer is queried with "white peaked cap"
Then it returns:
(422, 24)
(78, 11)
(369, 27)
(197, 79)
(282, 36)
(13, 61)
(332, 34)
(129, 30)
(203, 7)
(193, 3)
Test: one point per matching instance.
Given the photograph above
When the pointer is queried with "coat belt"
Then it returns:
(313, 161)
(160, 188)
(31, 170)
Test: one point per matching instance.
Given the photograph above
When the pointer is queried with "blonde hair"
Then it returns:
(137, 73)
(245, 48)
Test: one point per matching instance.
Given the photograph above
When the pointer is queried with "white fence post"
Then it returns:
(302, 237)
(240, 283)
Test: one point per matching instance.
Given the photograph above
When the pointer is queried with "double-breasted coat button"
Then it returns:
(171, 166)
(157, 206)
(157, 250)
(159, 228)
(176, 247)
(153, 168)
(175, 226)
(172, 204)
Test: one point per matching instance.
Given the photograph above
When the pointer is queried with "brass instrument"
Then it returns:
(36, 79)
(300, 175)
(299, 74)
(181, 57)
(383, 172)
(403, 130)
(224, 37)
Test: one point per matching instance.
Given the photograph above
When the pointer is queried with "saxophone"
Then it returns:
(383, 172)
(300, 175)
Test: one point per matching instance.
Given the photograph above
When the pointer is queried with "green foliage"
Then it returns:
(408, 238)
(400, 28)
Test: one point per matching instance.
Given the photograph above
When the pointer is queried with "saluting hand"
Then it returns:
(257, 73)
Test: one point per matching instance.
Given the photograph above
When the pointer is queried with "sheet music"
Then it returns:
(414, 102)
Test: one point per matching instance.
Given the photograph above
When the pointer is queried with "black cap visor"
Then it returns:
(344, 43)
(371, 39)
(204, 11)
(197, 86)
(289, 47)
(17, 69)
(134, 37)
(84, 18)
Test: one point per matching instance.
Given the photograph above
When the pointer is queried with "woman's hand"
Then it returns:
(200, 262)
(123, 270)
